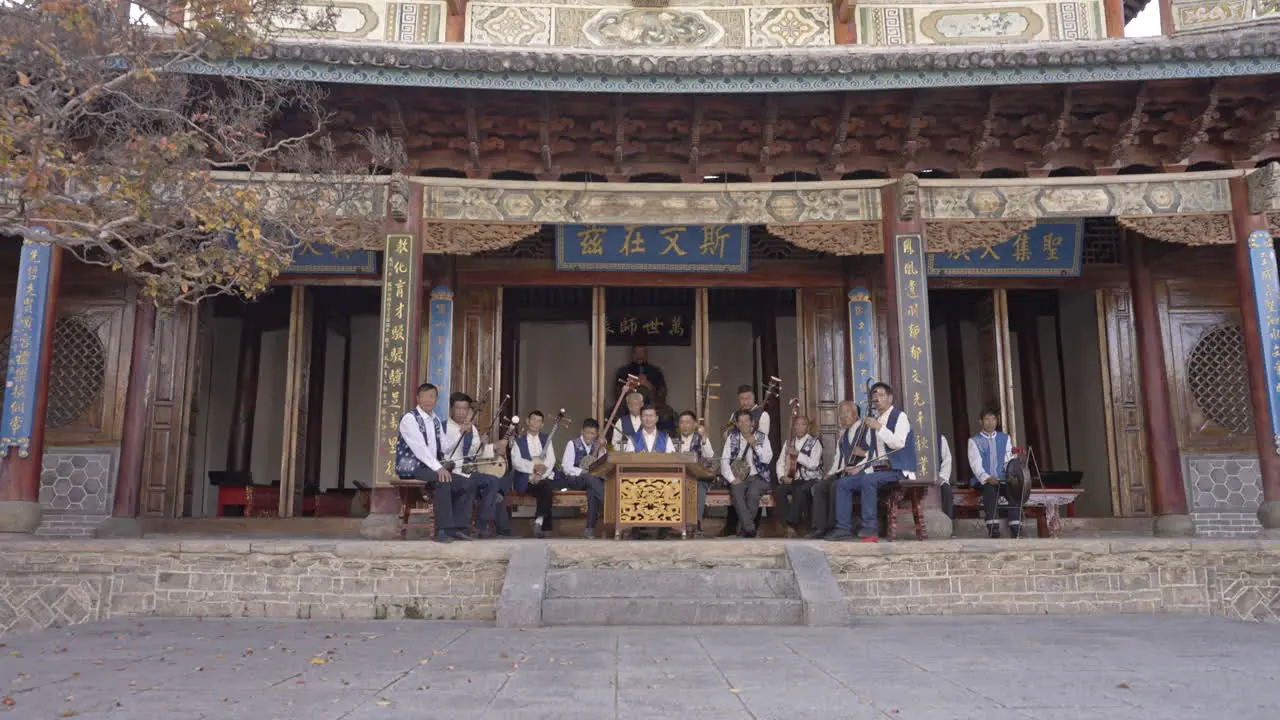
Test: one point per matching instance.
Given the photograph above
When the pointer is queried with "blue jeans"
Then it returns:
(868, 484)
(487, 487)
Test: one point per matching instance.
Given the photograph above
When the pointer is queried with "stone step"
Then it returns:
(673, 584)
(655, 611)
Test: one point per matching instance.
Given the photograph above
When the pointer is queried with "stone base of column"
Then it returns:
(937, 523)
(19, 516)
(1269, 516)
(1173, 526)
(383, 520)
(119, 527)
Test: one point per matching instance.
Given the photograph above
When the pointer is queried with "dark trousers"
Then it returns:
(502, 515)
(791, 499)
(542, 491)
(592, 485)
(991, 504)
(452, 501)
(487, 488)
(867, 485)
(948, 500)
(746, 500)
(823, 513)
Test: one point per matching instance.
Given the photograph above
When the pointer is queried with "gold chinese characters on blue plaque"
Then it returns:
(653, 248)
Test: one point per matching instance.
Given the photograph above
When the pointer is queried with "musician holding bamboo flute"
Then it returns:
(849, 451)
(891, 451)
(463, 446)
(692, 439)
(745, 465)
(578, 454)
(418, 458)
(799, 467)
(533, 461)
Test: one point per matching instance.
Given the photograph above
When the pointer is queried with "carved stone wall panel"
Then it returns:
(415, 23)
(956, 22)
(1204, 14)
(672, 25)
(1075, 198)
(761, 204)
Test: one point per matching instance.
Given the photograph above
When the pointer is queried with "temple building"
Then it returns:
(985, 203)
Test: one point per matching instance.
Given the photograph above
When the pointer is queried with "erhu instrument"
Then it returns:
(497, 464)
(771, 390)
(602, 448)
(790, 465)
(860, 440)
(700, 407)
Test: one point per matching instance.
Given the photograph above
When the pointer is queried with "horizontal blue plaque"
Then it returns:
(653, 248)
(1050, 249)
(316, 259)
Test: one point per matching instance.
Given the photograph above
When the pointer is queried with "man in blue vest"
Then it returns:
(993, 463)
(750, 449)
(418, 458)
(533, 461)
(849, 452)
(891, 451)
(461, 446)
(574, 465)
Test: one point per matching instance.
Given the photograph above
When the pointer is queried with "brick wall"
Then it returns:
(46, 583)
(1238, 579)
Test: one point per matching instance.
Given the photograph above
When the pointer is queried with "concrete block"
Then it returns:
(692, 584)
(667, 611)
(823, 602)
(520, 605)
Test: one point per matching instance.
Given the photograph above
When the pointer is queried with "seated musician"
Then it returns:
(628, 425)
(745, 465)
(577, 456)
(692, 439)
(649, 438)
(823, 515)
(418, 458)
(891, 447)
(993, 463)
(466, 450)
(653, 384)
(799, 467)
(760, 422)
(534, 465)
(944, 479)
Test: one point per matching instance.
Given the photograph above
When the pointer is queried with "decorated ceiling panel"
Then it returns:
(957, 22)
(416, 23)
(677, 25)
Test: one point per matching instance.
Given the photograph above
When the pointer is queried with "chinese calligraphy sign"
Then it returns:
(1266, 295)
(915, 396)
(861, 336)
(649, 326)
(25, 347)
(402, 267)
(653, 248)
(314, 259)
(440, 346)
(1050, 249)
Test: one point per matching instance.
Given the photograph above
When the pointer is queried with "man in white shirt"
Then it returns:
(791, 492)
(418, 458)
(892, 449)
(649, 438)
(848, 453)
(759, 423)
(753, 446)
(534, 463)
(625, 427)
(466, 451)
(994, 466)
(577, 454)
(944, 479)
(692, 440)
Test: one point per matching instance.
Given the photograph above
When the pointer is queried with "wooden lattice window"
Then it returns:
(1219, 380)
(77, 371)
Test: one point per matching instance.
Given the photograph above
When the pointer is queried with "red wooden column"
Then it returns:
(399, 343)
(1168, 493)
(907, 296)
(1256, 276)
(124, 514)
(26, 393)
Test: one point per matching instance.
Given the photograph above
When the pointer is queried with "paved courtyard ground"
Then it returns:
(994, 668)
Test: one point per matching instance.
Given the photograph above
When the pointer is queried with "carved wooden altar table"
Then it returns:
(650, 490)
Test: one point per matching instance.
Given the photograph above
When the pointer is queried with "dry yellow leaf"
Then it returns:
(318, 661)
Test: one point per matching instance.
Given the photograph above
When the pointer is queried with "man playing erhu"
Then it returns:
(745, 465)
(849, 452)
(799, 467)
(692, 440)
(577, 454)
(534, 463)
(462, 446)
(891, 446)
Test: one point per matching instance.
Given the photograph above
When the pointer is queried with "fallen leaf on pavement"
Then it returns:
(318, 661)
(8, 702)
(383, 702)
(99, 662)
(423, 662)
(1123, 686)
(69, 713)
(734, 690)
(504, 656)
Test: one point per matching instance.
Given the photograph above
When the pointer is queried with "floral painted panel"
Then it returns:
(948, 22)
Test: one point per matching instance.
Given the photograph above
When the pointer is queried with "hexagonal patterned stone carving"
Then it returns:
(77, 480)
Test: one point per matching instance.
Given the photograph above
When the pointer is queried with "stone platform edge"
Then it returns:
(47, 583)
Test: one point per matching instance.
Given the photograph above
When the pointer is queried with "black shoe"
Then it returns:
(817, 534)
(839, 535)
(664, 533)
(443, 538)
(484, 534)
(460, 535)
(993, 530)
(1015, 530)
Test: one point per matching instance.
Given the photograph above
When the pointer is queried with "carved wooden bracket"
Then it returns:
(962, 235)
(472, 238)
(1273, 224)
(908, 190)
(857, 238)
(398, 198)
(1183, 229)
(1264, 188)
